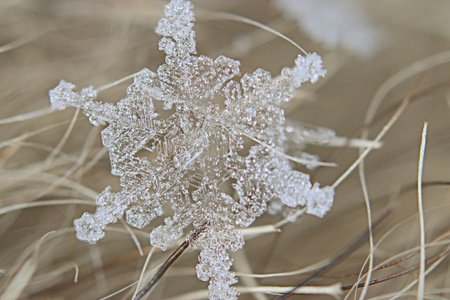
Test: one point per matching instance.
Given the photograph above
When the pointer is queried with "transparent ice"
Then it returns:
(219, 163)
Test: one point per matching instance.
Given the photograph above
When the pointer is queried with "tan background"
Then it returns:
(96, 42)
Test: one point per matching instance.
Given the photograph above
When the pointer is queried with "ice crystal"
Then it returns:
(299, 135)
(336, 23)
(216, 165)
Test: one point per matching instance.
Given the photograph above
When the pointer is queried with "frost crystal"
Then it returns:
(213, 164)
(336, 23)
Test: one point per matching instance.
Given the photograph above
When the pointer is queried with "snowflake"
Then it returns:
(219, 162)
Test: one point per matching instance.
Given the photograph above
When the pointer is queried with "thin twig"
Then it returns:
(420, 95)
(401, 273)
(421, 285)
(147, 260)
(380, 135)
(162, 270)
(175, 255)
(343, 254)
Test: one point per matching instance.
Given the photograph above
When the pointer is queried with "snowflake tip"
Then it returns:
(307, 68)
(88, 229)
(320, 200)
(62, 95)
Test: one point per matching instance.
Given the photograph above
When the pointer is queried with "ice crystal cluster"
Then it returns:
(335, 23)
(211, 166)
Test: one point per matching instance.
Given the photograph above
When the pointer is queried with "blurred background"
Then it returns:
(52, 164)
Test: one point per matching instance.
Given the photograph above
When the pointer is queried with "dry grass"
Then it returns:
(52, 164)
